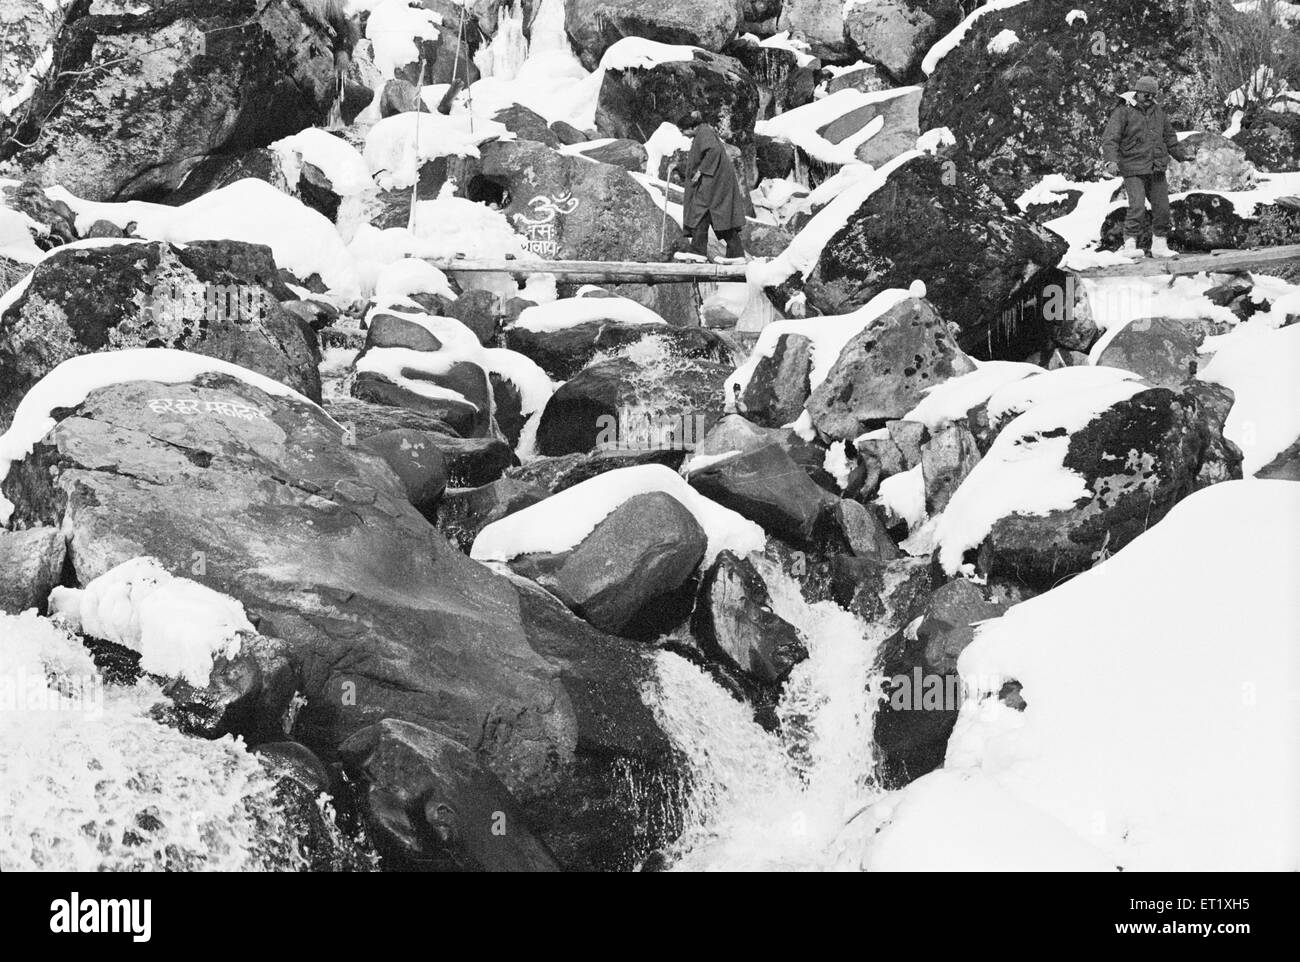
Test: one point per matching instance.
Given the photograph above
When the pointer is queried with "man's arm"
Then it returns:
(1171, 141)
(1110, 137)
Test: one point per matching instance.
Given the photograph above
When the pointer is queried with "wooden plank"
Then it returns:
(600, 272)
(1224, 261)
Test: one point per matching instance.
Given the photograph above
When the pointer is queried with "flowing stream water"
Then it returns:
(792, 800)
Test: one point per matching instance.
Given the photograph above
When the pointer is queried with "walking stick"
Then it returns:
(663, 227)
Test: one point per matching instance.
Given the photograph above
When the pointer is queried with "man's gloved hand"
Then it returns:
(1110, 168)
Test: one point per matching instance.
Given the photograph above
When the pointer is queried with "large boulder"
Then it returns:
(143, 97)
(882, 371)
(568, 207)
(636, 100)
(625, 405)
(767, 486)
(618, 577)
(735, 624)
(217, 298)
(1038, 106)
(596, 25)
(818, 23)
(895, 34)
(382, 618)
(1137, 458)
(971, 252)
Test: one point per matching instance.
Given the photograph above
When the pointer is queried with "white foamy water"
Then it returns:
(789, 801)
(88, 782)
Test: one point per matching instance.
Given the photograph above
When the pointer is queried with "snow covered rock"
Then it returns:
(526, 125)
(430, 806)
(636, 100)
(220, 299)
(894, 33)
(735, 624)
(596, 25)
(579, 209)
(881, 372)
(969, 250)
(455, 392)
(318, 542)
(1039, 107)
(31, 563)
(785, 78)
(143, 97)
(850, 126)
(624, 575)
(1097, 770)
(628, 154)
(1161, 350)
(649, 398)
(50, 222)
(1080, 475)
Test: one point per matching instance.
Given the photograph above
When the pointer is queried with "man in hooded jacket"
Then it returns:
(1136, 145)
(713, 194)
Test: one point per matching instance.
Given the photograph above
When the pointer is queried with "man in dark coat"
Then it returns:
(713, 194)
(1136, 145)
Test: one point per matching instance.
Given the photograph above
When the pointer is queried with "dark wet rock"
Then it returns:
(768, 487)
(734, 622)
(464, 512)
(431, 806)
(779, 387)
(416, 459)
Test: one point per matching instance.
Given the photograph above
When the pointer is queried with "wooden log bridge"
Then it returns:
(600, 272)
(1216, 262)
